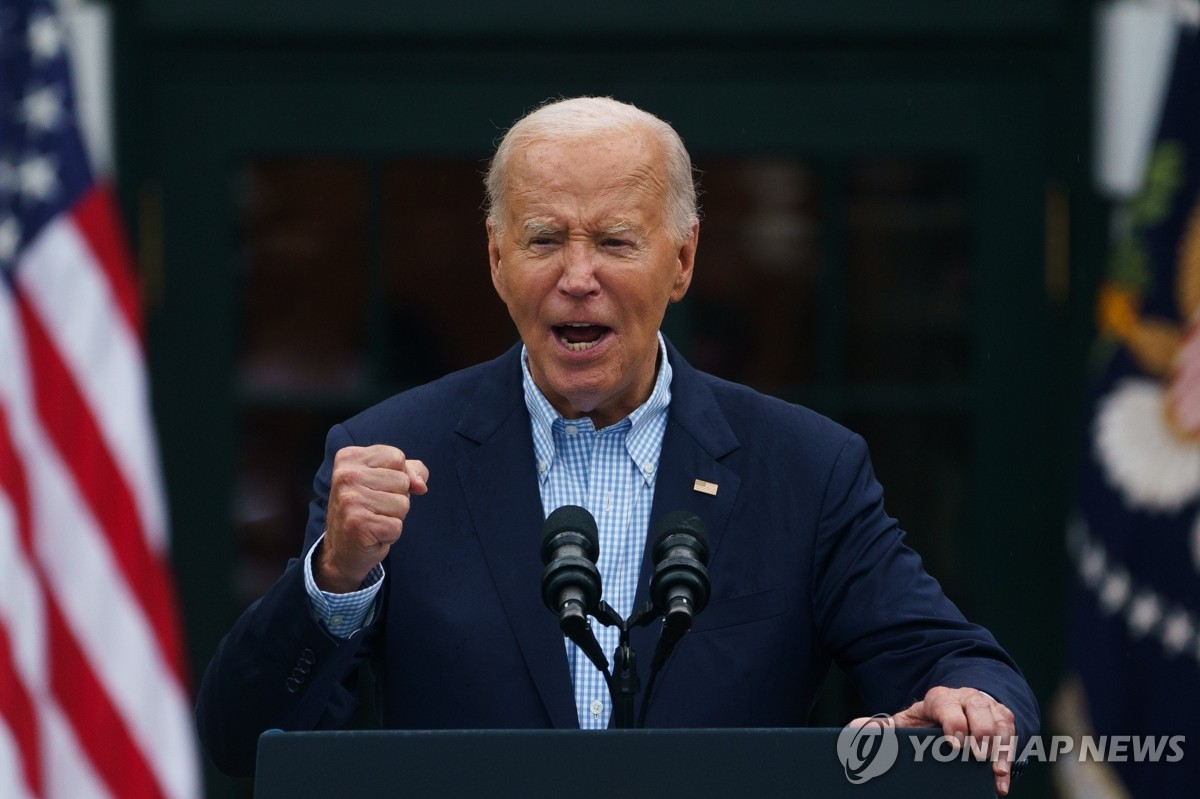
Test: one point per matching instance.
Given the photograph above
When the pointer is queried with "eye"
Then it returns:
(542, 242)
(613, 242)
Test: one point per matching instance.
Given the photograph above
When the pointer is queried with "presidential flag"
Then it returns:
(93, 700)
(1136, 542)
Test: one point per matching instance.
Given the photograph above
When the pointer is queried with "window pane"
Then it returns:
(907, 271)
(303, 270)
(279, 452)
(753, 312)
(441, 312)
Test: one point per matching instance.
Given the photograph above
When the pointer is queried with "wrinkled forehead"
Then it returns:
(619, 166)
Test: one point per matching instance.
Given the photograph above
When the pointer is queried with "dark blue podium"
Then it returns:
(609, 764)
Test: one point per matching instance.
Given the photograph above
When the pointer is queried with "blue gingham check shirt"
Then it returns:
(611, 472)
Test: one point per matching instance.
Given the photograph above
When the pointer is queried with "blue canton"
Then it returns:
(43, 167)
(610, 472)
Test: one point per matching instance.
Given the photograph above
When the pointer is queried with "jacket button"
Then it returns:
(308, 657)
(293, 685)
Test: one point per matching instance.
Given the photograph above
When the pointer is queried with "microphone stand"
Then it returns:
(623, 682)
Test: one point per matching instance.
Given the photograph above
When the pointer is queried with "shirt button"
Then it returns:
(335, 619)
(597, 707)
(572, 429)
(648, 467)
(542, 467)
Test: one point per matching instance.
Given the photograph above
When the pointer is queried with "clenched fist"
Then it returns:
(368, 499)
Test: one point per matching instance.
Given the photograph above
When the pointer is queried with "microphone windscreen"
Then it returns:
(570, 519)
(681, 523)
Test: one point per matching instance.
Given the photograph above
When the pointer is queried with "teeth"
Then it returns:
(579, 346)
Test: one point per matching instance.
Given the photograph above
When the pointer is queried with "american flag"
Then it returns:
(93, 700)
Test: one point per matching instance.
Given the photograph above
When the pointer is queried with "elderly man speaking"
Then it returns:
(422, 548)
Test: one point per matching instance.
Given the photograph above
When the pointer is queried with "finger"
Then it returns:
(382, 530)
(1002, 769)
(375, 455)
(355, 509)
(391, 504)
(981, 722)
(418, 474)
(880, 719)
(944, 706)
(383, 456)
(356, 469)
(913, 716)
(372, 478)
(1002, 751)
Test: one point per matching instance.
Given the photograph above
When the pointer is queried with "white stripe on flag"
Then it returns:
(11, 782)
(65, 768)
(69, 773)
(105, 619)
(22, 613)
(63, 282)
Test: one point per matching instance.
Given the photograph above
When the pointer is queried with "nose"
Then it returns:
(578, 278)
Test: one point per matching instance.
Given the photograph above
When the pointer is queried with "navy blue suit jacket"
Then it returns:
(806, 567)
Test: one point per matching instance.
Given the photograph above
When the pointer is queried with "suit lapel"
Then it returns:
(500, 490)
(501, 493)
(697, 437)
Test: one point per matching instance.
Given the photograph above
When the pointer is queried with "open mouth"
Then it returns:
(580, 337)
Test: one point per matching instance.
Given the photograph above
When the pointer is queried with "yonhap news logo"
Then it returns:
(869, 749)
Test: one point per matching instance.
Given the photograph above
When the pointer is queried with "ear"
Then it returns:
(494, 260)
(685, 262)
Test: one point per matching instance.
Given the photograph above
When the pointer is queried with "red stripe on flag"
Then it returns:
(16, 709)
(16, 706)
(96, 218)
(67, 420)
(101, 732)
(97, 724)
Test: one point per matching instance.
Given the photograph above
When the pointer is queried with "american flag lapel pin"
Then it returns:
(705, 487)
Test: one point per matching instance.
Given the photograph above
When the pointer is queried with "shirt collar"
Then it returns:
(643, 439)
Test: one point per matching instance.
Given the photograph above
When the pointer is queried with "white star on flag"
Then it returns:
(10, 238)
(42, 109)
(1144, 613)
(1115, 591)
(45, 37)
(1177, 632)
(38, 177)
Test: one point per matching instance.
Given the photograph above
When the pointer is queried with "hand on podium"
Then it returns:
(966, 715)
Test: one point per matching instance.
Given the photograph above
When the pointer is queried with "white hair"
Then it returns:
(582, 117)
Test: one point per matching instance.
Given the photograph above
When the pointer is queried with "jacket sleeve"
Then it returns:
(884, 619)
(278, 667)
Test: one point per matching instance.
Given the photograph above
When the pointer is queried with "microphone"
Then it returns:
(680, 585)
(571, 581)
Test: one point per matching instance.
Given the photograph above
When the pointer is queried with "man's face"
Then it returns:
(586, 267)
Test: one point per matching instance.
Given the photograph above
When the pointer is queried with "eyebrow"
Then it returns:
(538, 227)
(621, 227)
